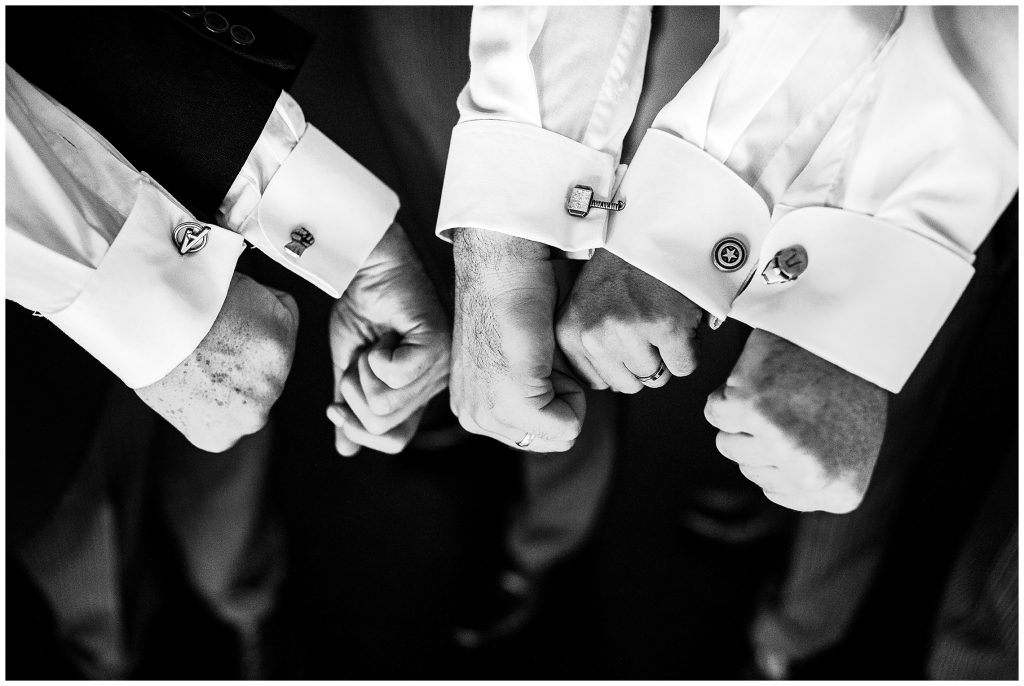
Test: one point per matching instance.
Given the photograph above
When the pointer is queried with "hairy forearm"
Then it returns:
(476, 249)
(498, 279)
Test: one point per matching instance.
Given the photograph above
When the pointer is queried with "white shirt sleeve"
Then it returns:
(297, 178)
(848, 132)
(551, 94)
(89, 238)
(89, 244)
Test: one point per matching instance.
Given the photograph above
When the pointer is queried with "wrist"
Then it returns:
(483, 247)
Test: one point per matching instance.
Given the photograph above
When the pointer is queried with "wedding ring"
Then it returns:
(650, 377)
(527, 440)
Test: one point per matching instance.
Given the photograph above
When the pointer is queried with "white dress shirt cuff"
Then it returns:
(873, 295)
(514, 178)
(147, 307)
(295, 177)
(680, 202)
(871, 300)
(345, 208)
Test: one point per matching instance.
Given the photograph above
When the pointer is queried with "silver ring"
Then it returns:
(527, 440)
(650, 377)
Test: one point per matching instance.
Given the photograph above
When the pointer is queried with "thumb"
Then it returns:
(399, 363)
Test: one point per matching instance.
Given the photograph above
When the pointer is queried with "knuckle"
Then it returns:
(570, 431)
(575, 429)
(380, 404)
(394, 446)
(478, 416)
(664, 322)
(846, 500)
(809, 477)
(215, 443)
(616, 325)
(277, 349)
(374, 425)
(469, 424)
(396, 377)
(684, 360)
(711, 411)
(722, 444)
(591, 340)
(505, 414)
(852, 503)
(254, 420)
(565, 331)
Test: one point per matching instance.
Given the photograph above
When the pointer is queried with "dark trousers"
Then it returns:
(93, 557)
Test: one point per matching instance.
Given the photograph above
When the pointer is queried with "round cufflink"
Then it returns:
(190, 237)
(786, 265)
(729, 254)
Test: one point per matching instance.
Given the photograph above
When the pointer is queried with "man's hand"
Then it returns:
(507, 382)
(226, 387)
(621, 323)
(805, 431)
(391, 347)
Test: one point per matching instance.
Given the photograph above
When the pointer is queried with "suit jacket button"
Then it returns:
(215, 22)
(242, 35)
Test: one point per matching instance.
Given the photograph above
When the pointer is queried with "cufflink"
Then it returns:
(729, 254)
(190, 237)
(302, 238)
(581, 200)
(786, 266)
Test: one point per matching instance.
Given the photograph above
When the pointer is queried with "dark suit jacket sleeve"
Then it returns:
(179, 100)
(183, 103)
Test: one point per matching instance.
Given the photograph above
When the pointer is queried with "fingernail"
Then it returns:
(335, 415)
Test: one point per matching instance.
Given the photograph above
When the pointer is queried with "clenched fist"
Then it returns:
(390, 345)
(804, 430)
(620, 324)
(224, 390)
(508, 381)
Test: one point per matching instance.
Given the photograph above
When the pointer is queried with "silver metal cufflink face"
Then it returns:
(302, 238)
(581, 200)
(190, 237)
(786, 266)
(729, 254)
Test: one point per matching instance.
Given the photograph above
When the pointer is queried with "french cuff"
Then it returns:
(321, 214)
(147, 306)
(515, 179)
(689, 221)
(871, 296)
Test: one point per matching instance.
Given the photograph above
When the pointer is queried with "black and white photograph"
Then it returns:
(572, 342)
